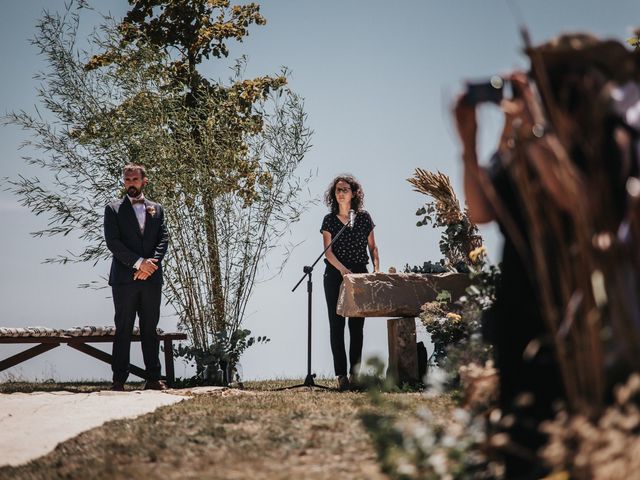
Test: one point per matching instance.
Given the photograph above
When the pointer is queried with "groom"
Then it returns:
(136, 235)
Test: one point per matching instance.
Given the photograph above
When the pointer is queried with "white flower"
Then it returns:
(436, 382)
(439, 462)
(461, 415)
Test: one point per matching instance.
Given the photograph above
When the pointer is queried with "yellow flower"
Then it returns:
(477, 252)
(454, 316)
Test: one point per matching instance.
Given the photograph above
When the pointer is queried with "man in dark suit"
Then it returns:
(136, 235)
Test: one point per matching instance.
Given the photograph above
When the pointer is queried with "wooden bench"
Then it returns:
(80, 342)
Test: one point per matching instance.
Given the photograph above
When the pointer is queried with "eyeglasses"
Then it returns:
(343, 190)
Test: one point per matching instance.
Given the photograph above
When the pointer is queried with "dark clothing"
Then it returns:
(128, 243)
(351, 247)
(351, 250)
(516, 311)
(332, 282)
(143, 298)
(515, 321)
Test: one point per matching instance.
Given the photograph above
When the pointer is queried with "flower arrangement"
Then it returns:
(460, 235)
(444, 327)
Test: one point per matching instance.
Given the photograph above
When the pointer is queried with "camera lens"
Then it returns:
(496, 82)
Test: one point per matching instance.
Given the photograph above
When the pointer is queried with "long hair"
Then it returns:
(357, 201)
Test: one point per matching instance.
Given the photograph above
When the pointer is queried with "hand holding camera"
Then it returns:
(491, 91)
(515, 97)
(496, 89)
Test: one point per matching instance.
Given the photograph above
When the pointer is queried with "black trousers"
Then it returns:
(141, 298)
(332, 282)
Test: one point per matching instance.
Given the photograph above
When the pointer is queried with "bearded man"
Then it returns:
(136, 235)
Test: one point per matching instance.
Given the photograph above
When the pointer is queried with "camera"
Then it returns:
(492, 91)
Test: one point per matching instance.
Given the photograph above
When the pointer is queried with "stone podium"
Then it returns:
(397, 295)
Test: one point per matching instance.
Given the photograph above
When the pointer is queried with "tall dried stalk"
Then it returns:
(438, 186)
(461, 235)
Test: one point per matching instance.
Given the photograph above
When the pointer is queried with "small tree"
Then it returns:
(221, 157)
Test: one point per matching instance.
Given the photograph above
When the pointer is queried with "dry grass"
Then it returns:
(75, 387)
(253, 433)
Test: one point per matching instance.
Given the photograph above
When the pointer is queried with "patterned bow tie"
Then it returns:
(137, 200)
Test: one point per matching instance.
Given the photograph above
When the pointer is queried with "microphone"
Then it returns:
(352, 218)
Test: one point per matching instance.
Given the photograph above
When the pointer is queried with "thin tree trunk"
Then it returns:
(216, 296)
(213, 252)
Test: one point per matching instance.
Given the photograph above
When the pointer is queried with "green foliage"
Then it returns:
(386, 438)
(457, 236)
(196, 29)
(445, 328)
(222, 354)
(188, 32)
(482, 291)
(443, 296)
(375, 382)
(424, 445)
(455, 329)
(428, 267)
(427, 447)
(471, 348)
(221, 155)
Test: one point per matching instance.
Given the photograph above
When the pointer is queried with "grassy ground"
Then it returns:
(75, 387)
(235, 434)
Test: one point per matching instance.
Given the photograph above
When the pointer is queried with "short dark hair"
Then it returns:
(357, 201)
(132, 167)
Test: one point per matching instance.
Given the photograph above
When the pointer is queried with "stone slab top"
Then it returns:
(395, 294)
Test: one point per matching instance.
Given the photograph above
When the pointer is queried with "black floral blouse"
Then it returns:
(351, 247)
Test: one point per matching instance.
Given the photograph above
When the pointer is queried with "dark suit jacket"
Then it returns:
(127, 243)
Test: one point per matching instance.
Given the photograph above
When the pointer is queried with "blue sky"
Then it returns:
(378, 79)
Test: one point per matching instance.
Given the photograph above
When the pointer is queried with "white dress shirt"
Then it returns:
(140, 210)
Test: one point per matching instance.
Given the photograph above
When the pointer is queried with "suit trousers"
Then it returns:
(142, 298)
(332, 282)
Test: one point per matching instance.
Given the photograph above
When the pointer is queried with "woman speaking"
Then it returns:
(347, 255)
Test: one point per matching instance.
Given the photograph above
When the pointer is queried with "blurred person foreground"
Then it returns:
(563, 186)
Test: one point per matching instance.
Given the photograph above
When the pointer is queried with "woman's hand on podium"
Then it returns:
(345, 271)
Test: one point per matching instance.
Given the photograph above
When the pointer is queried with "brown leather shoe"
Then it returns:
(117, 387)
(155, 385)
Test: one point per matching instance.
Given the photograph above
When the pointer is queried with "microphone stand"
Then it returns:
(308, 381)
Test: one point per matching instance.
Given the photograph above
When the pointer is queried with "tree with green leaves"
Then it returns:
(222, 156)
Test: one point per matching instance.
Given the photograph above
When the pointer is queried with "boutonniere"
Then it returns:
(151, 210)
